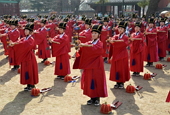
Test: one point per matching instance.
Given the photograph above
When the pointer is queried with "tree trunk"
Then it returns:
(152, 8)
(143, 10)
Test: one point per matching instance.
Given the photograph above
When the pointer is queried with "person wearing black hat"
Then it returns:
(70, 24)
(137, 50)
(51, 26)
(104, 36)
(60, 50)
(81, 24)
(4, 35)
(45, 17)
(41, 40)
(151, 52)
(83, 37)
(14, 35)
(21, 25)
(9, 17)
(168, 41)
(110, 24)
(93, 80)
(144, 24)
(37, 23)
(162, 37)
(31, 21)
(119, 71)
(25, 56)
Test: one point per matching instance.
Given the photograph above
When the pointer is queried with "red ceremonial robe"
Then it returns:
(41, 41)
(143, 27)
(82, 27)
(14, 36)
(132, 26)
(93, 81)
(26, 57)
(103, 37)
(51, 32)
(110, 24)
(151, 48)
(67, 32)
(60, 51)
(136, 53)
(70, 23)
(168, 41)
(84, 37)
(119, 70)
(4, 39)
(37, 24)
(162, 40)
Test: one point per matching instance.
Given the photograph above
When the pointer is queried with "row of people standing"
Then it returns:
(93, 50)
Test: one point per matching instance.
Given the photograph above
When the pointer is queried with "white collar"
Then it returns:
(137, 33)
(95, 42)
(42, 28)
(61, 35)
(27, 37)
(104, 26)
(150, 29)
(87, 30)
(120, 36)
(13, 30)
(161, 26)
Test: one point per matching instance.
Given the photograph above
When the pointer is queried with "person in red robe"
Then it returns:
(25, 56)
(168, 41)
(83, 37)
(14, 36)
(119, 71)
(4, 39)
(82, 25)
(60, 51)
(21, 24)
(162, 37)
(144, 24)
(51, 26)
(104, 36)
(110, 24)
(40, 37)
(136, 50)
(151, 48)
(37, 24)
(91, 61)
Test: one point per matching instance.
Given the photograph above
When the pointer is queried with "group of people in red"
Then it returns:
(98, 41)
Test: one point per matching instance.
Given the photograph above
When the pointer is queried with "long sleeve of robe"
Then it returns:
(60, 51)
(26, 57)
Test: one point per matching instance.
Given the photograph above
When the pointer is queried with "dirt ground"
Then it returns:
(67, 98)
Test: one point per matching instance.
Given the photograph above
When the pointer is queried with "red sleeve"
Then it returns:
(22, 49)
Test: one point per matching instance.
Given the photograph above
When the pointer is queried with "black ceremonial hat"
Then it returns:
(43, 21)
(97, 28)
(88, 21)
(139, 24)
(29, 27)
(123, 24)
(62, 25)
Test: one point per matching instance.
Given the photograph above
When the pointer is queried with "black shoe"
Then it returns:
(151, 63)
(58, 77)
(30, 88)
(15, 68)
(137, 73)
(89, 102)
(121, 85)
(116, 86)
(62, 77)
(43, 60)
(134, 73)
(26, 88)
(97, 103)
(147, 65)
